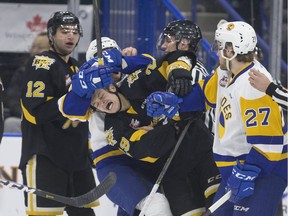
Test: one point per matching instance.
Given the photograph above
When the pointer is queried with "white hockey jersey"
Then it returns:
(248, 122)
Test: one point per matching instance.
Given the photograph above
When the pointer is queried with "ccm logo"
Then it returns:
(214, 178)
(241, 208)
(107, 57)
(242, 176)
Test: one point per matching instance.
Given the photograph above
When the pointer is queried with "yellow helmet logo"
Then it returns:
(230, 26)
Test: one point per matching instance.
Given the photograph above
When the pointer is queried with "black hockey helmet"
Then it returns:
(182, 29)
(62, 18)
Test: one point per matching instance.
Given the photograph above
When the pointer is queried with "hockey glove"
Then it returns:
(180, 82)
(162, 103)
(86, 81)
(111, 57)
(241, 181)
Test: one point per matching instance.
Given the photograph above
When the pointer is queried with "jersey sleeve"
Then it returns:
(203, 95)
(74, 107)
(278, 94)
(134, 63)
(140, 144)
(262, 121)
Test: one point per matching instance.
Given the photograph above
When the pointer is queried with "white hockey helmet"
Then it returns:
(107, 43)
(240, 34)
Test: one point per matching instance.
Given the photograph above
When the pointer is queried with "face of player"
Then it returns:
(170, 44)
(65, 39)
(106, 101)
(40, 44)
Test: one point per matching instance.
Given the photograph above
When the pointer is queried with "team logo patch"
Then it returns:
(42, 62)
(133, 77)
(230, 26)
(110, 136)
(223, 81)
(134, 123)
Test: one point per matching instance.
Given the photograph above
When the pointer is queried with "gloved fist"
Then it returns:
(162, 103)
(86, 81)
(180, 82)
(241, 181)
(111, 57)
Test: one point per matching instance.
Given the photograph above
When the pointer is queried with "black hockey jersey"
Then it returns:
(44, 130)
(122, 129)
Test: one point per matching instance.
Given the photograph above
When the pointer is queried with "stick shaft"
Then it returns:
(164, 169)
(218, 203)
(79, 201)
(98, 32)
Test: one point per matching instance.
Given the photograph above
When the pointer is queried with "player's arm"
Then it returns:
(74, 107)
(142, 144)
(126, 64)
(261, 82)
(202, 97)
(278, 94)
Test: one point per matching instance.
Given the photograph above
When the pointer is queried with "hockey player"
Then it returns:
(129, 129)
(186, 35)
(133, 183)
(54, 153)
(248, 144)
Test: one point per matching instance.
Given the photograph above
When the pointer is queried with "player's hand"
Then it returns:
(241, 182)
(86, 81)
(162, 103)
(129, 51)
(111, 57)
(180, 82)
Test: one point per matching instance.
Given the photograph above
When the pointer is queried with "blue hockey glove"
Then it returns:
(86, 81)
(162, 103)
(241, 181)
(111, 57)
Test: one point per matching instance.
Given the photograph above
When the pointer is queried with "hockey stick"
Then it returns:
(98, 32)
(164, 169)
(218, 203)
(79, 201)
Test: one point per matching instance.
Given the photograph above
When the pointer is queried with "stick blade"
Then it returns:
(97, 192)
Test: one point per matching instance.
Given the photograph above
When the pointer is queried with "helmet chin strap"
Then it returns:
(118, 96)
(227, 59)
(120, 103)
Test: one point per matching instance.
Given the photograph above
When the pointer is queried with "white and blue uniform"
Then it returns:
(249, 128)
(132, 184)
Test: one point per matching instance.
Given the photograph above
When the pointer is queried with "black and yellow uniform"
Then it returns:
(54, 153)
(192, 177)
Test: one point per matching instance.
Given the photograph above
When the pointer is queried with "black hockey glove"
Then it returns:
(180, 82)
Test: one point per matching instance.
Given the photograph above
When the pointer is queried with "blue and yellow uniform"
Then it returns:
(249, 128)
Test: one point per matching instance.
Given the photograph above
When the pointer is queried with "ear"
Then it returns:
(112, 88)
(184, 45)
